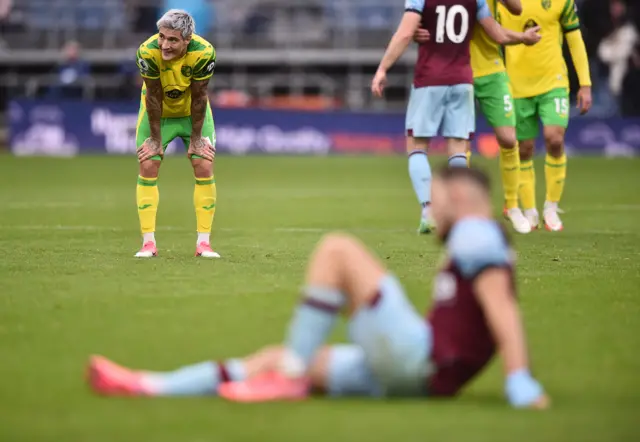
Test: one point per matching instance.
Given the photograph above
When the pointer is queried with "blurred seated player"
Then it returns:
(394, 351)
(442, 91)
(176, 65)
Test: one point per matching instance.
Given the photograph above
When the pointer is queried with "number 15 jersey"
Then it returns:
(445, 59)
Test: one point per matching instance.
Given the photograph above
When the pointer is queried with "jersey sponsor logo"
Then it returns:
(174, 94)
(546, 4)
(211, 66)
(186, 71)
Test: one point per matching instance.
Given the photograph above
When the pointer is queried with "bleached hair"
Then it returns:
(178, 20)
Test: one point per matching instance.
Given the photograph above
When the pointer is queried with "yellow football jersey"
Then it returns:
(486, 58)
(176, 75)
(535, 70)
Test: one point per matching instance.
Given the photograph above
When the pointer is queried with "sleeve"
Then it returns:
(414, 6)
(205, 65)
(569, 17)
(147, 64)
(477, 245)
(483, 10)
(579, 56)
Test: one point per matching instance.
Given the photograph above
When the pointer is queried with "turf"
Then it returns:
(70, 287)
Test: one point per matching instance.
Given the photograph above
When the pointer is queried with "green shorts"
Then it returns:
(551, 107)
(172, 128)
(496, 102)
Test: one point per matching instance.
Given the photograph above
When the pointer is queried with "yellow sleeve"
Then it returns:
(579, 56)
(205, 65)
(147, 64)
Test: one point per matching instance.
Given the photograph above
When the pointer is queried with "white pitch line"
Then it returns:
(88, 228)
(60, 227)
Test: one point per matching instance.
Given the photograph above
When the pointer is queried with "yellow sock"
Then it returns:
(555, 172)
(527, 189)
(510, 169)
(204, 200)
(147, 196)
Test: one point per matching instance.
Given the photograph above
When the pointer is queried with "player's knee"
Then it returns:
(337, 247)
(555, 144)
(417, 144)
(336, 243)
(150, 168)
(507, 140)
(526, 150)
(202, 168)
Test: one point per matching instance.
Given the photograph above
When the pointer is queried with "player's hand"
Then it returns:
(379, 83)
(523, 391)
(150, 148)
(201, 147)
(584, 99)
(531, 36)
(421, 36)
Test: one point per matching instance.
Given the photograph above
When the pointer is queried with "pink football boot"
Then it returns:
(110, 379)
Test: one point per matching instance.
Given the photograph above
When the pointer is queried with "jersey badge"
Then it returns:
(546, 4)
(186, 71)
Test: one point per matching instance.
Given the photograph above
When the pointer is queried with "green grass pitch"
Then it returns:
(69, 287)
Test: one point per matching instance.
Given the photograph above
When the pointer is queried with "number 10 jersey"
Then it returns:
(445, 59)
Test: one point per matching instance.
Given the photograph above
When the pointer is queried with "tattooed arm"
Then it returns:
(152, 146)
(154, 107)
(199, 102)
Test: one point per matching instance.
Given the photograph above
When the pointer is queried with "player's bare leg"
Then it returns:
(510, 169)
(555, 171)
(420, 174)
(457, 149)
(342, 275)
(527, 189)
(147, 196)
(204, 201)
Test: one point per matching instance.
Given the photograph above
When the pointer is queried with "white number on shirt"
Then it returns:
(562, 106)
(446, 23)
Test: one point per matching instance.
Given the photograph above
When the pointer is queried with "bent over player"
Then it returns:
(176, 65)
(540, 84)
(394, 350)
(442, 90)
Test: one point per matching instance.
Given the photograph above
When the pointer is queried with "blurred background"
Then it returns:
(302, 60)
